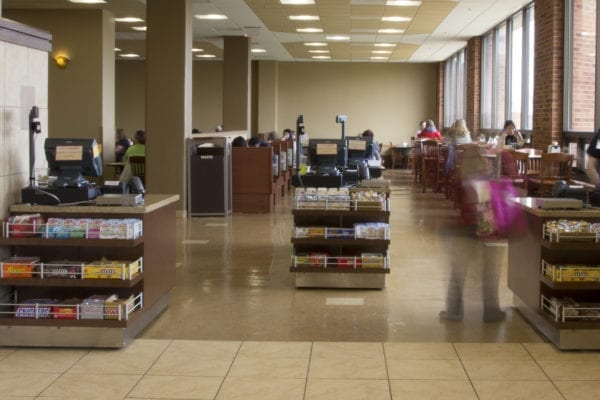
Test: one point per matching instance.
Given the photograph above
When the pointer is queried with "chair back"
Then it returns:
(138, 167)
(430, 149)
(514, 164)
(557, 166)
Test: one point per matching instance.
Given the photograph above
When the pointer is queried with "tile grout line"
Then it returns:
(61, 374)
(387, 372)
(308, 370)
(229, 369)
(543, 371)
(465, 371)
(148, 369)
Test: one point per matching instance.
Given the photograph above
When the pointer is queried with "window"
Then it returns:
(499, 98)
(516, 69)
(454, 88)
(486, 81)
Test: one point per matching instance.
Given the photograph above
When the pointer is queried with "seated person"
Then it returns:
(373, 153)
(510, 136)
(138, 148)
(121, 145)
(239, 141)
(430, 131)
(254, 142)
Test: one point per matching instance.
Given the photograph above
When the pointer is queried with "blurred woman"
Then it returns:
(430, 131)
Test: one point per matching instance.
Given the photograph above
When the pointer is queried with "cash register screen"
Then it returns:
(71, 159)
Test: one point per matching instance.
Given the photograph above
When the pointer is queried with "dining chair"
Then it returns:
(430, 170)
(514, 166)
(138, 167)
(554, 167)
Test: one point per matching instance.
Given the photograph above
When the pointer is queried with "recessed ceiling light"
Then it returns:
(129, 55)
(379, 58)
(139, 28)
(196, 50)
(117, 49)
(211, 16)
(396, 19)
(129, 19)
(205, 55)
(385, 45)
(391, 31)
(403, 3)
(321, 57)
(309, 30)
(297, 2)
(315, 44)
(382, 52)
(304, 17)
(318, 51)
(258, 51)
(88, 1)
(337, 37)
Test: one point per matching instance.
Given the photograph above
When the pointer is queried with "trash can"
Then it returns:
(209, 177)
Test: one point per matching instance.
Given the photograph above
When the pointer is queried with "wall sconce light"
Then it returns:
(61, 61)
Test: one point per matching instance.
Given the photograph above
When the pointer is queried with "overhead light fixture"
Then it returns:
(88, 1)
(304, 17)
(258, 51)
(385, 45)
(309, 30)
(396, 18)
(211, 16)
(379, 58)
(140, 28)
(403, 3)
(315, 44)
(318, 51)
(321, 57)
(296, 2)
(391, 31)
(129, 19)
(337, 37)
(382, 52)
(205, 55)
(61, 61)
(117, 49)
(129, 55)
(196, 50)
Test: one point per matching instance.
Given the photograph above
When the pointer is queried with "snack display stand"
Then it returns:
(554, 274)
(340, 239)
(106, 283)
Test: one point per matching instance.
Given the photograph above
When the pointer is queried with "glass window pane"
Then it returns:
(500, 77)
(486, 82)
(528, 120)
(516, 68)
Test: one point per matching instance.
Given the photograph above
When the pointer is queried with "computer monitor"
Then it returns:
(324, 154)
(357, 150)
(69, 160)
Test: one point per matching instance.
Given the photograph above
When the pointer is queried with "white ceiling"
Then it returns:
(438, 27)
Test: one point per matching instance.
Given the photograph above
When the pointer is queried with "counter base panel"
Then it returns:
(340, 280)
(71, 336)
(563, 339)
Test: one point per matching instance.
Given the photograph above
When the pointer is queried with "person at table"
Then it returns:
(510, 136)
(593, 168)
(430, 131)
(422, 125)
(373, 152)
(139, 146)
(459, 133)
(121, 145)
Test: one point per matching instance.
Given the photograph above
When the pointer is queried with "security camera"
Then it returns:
(341, 118)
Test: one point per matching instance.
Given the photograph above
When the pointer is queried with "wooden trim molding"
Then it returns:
(24, 35)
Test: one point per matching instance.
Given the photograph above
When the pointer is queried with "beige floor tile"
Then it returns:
(426, 369)
(347, 368)
(41, 360)
(176, 387)
(343, 389)
(205, 348)
(246, 367)
(134, 359)
(276, 349)
(579, 390)
(181, 365)
(5, 352)
(432, 390)
(571, 370)
(25, 384)
(547, 352)
(503, 370)
(91, 387)
(16, 398)
(419, 351)
(347, 350)
(491, 351)
(516, 390)
(261, 389)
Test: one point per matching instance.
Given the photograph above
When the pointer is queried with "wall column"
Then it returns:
(549, 70)
(168, 95)
(236, 83)
(267, 97)
(473, 106)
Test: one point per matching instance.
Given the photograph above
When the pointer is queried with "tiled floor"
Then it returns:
(180, 369)
(237, 328)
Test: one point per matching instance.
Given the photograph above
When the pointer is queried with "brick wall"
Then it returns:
(473, 95)
(548, 84)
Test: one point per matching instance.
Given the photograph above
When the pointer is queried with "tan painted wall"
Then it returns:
(389, 99)
(207, 95)
(130, 101)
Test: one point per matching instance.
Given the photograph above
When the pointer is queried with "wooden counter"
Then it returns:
(525, 255)
(157, 246)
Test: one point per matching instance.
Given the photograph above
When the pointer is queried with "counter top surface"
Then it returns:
(528, 204)
(151, 202)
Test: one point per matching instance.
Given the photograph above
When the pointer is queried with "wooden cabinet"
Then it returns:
(156, 247)
(532, 287)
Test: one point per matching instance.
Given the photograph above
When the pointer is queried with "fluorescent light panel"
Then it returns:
(139, 28)
(304, 17)
(205, 55)
(309, 30)
(196, 50)
(297, 2)
(129, 19)
(321, 57)
(315, 44)
(382, 52)
(391, 31)
(129, 55)
(117, 49)
(211, 16)
(379, 58)
(337, 37)
(318, 51)
(403, 3)
(396, 18)
(385, 45)
(258, 51)
(88, 1)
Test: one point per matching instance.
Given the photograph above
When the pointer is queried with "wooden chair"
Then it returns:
(534, 165)
(430, 170)
(387, 155)
(138, 167)
(555, 167)
(514, 165)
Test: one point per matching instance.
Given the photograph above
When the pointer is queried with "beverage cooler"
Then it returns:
(209, 190)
